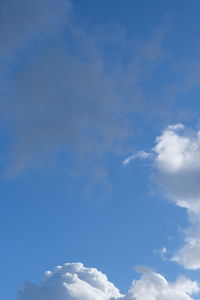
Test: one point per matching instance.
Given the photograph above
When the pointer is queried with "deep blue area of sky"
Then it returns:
(44, 218)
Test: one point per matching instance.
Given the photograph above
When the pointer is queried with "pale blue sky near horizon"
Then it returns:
(80, 93)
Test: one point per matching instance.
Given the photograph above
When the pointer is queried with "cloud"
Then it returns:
(188, 255)
(74, 281)
(177, 162)
(24, 22)
(140, 154)
(176, 159)
(71, 281)
(63, 92)
(162, 252)
(153, 286)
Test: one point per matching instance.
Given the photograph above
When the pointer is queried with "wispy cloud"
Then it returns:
(162, 252)
(140, 154)
(62, 92)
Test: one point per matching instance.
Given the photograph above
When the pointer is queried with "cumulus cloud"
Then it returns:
(177, 161)
(73, 281)
(153, 286)
(189, 254)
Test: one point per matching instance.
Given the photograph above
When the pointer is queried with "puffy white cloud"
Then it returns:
(73, 281)
(177, 160)
(153, 286)
(189, 254)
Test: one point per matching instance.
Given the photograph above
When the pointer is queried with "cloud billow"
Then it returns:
(177, 161)
(73, 281)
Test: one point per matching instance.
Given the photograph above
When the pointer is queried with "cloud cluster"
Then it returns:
(177, 160)
(73, 281)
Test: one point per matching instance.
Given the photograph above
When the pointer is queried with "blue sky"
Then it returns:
(84, 86)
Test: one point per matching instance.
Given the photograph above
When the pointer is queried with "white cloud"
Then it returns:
(75, 282)
(71, 281)
(176, 127)
(153, 286)
(189, 254)
(140, 154)
(176, 157)
(177, 161)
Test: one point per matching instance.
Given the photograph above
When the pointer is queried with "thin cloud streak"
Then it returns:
(140, 154)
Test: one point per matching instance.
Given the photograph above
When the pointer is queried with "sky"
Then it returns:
(99, 150)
